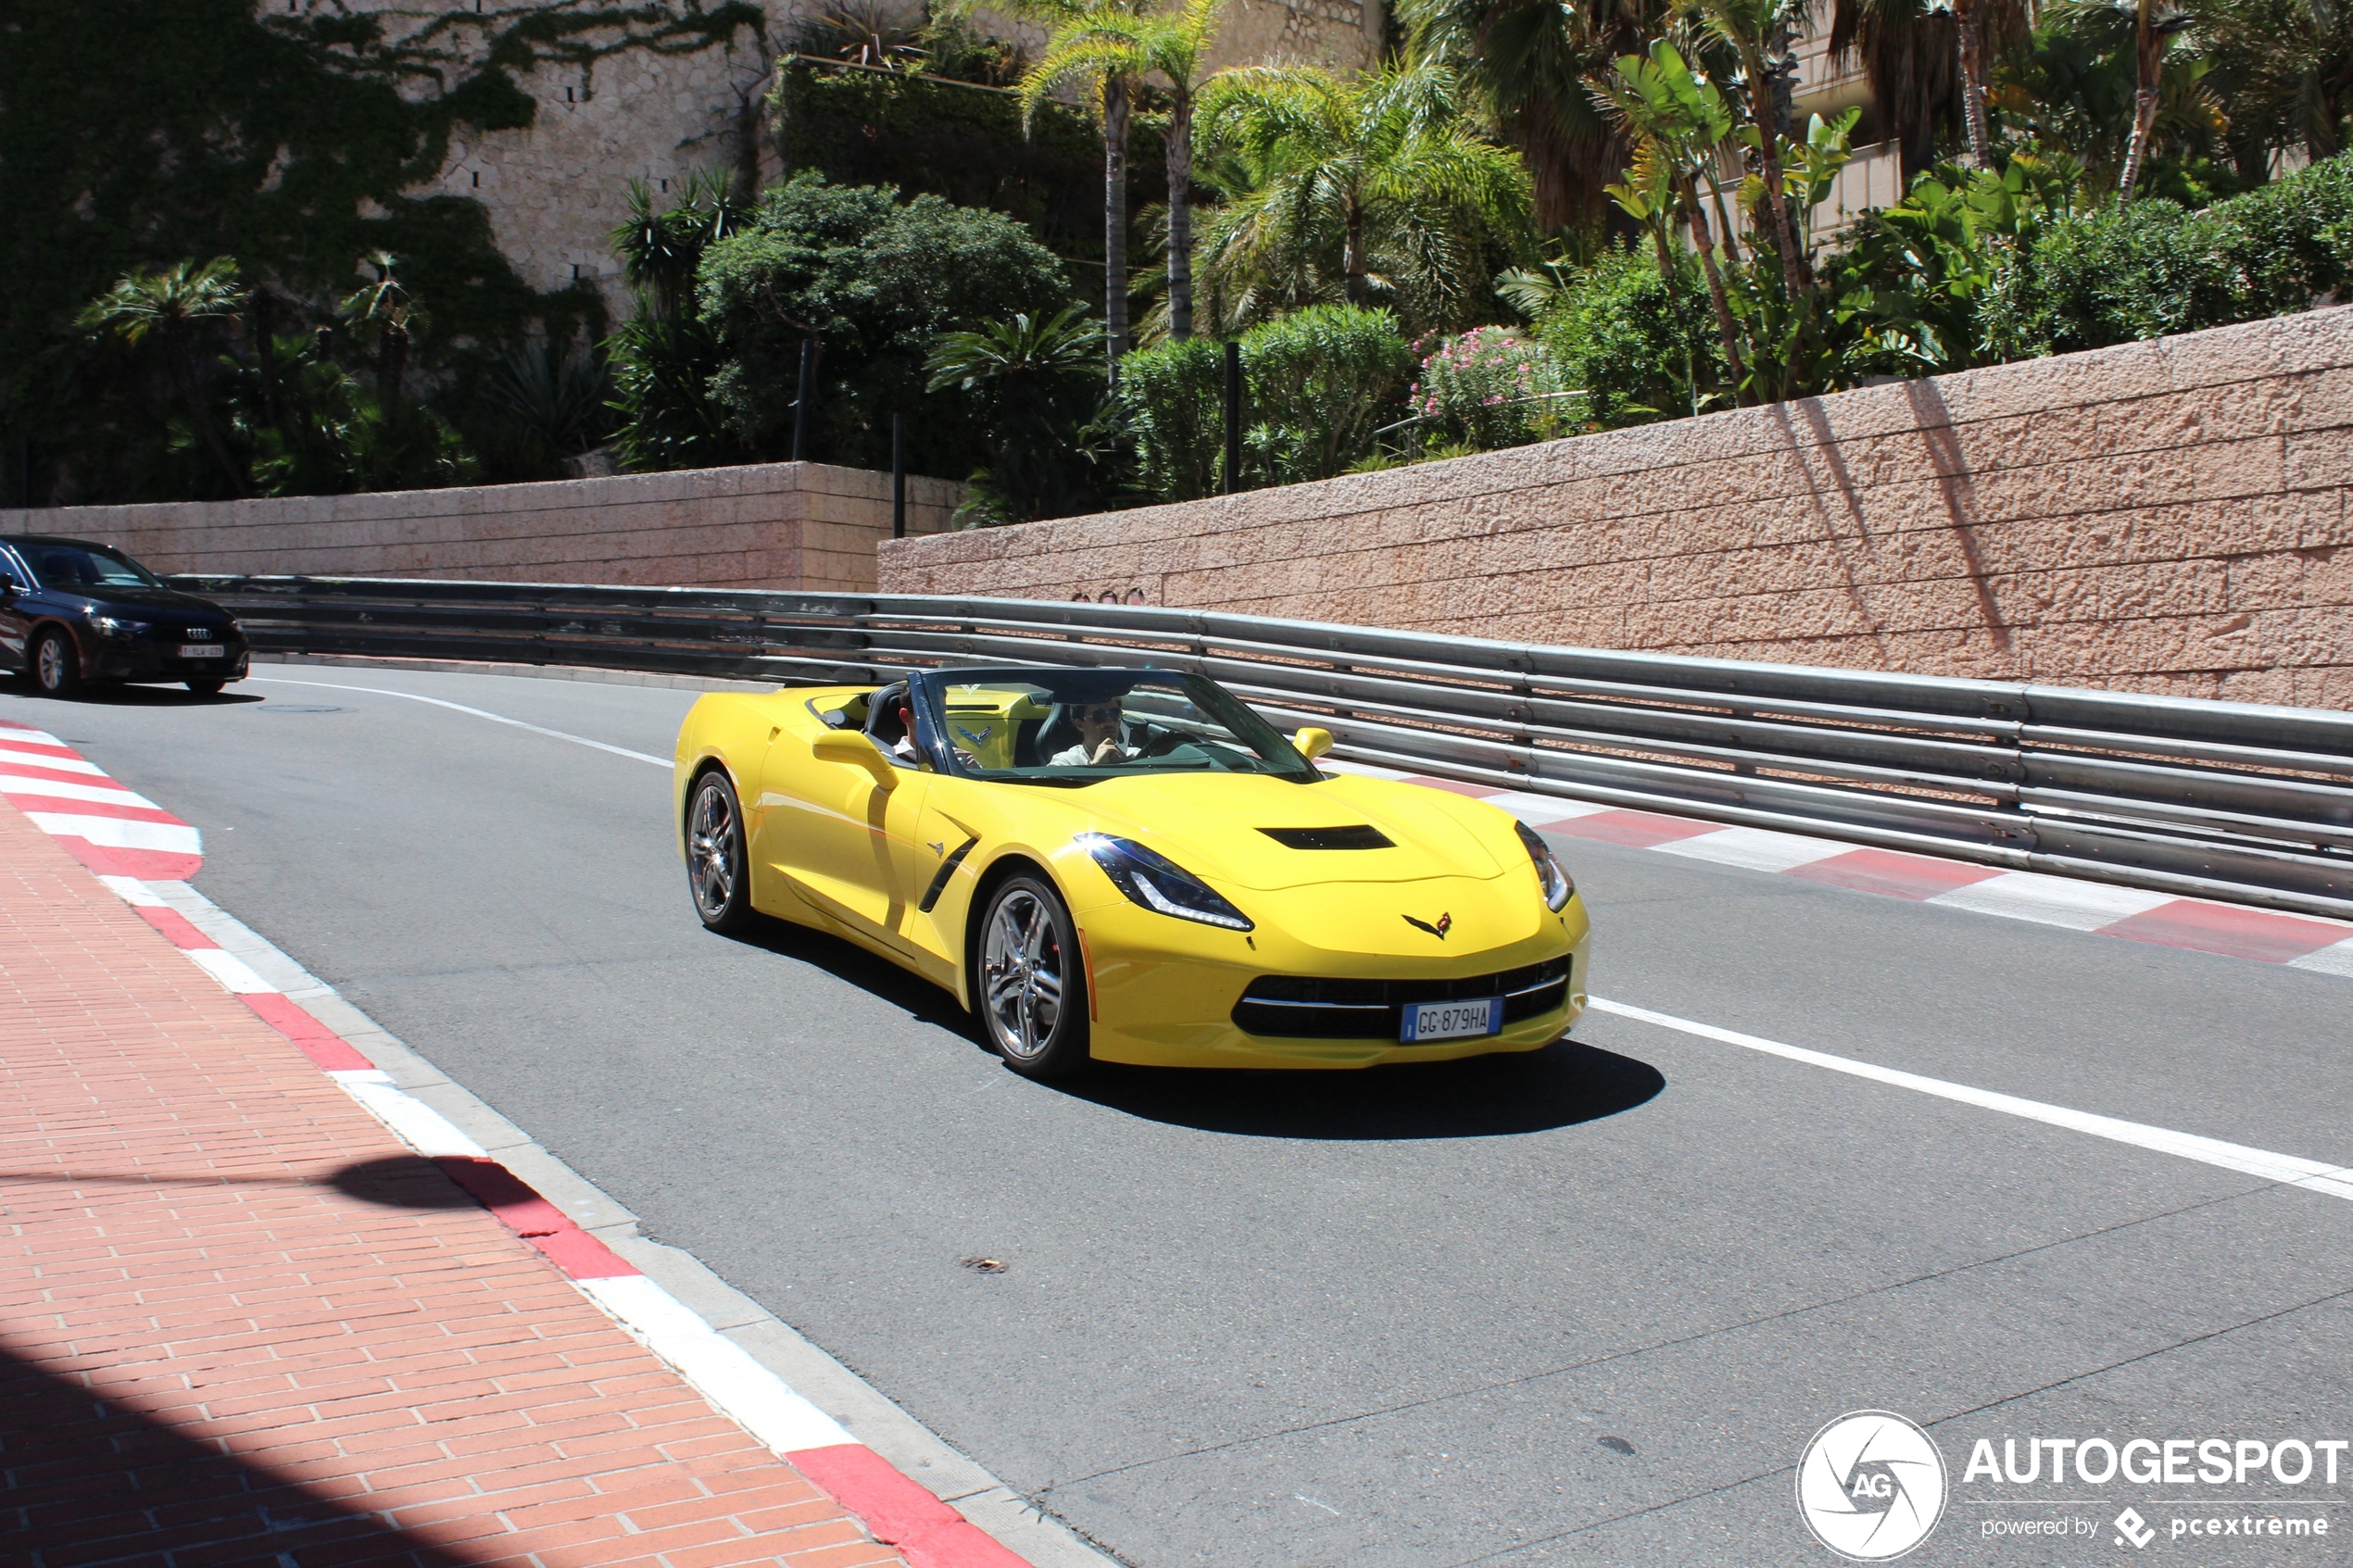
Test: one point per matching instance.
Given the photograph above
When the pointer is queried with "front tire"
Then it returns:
(717, 869)
(56, 664)
(1030, 987)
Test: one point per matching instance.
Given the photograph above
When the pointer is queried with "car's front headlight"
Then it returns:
(114, 626)
(1159, 884)
(1559, 885)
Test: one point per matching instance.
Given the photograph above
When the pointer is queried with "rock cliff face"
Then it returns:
(2169, 516)
(659, 88)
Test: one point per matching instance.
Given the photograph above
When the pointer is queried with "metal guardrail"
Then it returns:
(2229, 801)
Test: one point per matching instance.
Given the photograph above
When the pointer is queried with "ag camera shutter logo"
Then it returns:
(1871, 1485)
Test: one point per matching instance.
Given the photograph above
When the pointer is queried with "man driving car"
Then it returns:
(1097, 724)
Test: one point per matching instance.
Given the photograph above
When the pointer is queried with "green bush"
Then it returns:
(1633, 346)
(1171, 399)
(1320, 381)
(875, 281)
(2142, 269)
(2292, 241)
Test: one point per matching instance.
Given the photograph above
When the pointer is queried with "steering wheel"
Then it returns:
(1162, 744)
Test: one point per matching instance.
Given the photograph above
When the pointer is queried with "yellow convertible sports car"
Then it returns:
(1130, 865)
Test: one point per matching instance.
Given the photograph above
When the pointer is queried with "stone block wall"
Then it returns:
(768, 525)
(2163, 517)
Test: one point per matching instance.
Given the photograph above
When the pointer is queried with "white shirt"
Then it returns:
(1081, 755)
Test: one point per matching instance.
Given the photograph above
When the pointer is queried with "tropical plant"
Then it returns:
(661, 248)
(1675, 121)
(1105, 44)
(665, 414)
(1038, 380)
(1351, 188)
(1529, 60)
(864, 33)
(1620, 331)
(538, 407)
(388, 307)
(170, 310)
(1930, 64)
(1757, 32)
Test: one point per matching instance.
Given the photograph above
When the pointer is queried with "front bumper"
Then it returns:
(1156, 1006)
(106, 659)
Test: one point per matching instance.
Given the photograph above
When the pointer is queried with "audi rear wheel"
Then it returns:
(716, 865)
(1031, 985)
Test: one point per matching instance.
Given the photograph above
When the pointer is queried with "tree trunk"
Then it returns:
(1705, 242)
(1352, 256)
(265, 350)
(1180, 215)
(1797, 274)
(392, 362)
(183, 364)
(1116, 219)
(1980, 141)
(1675, 304)
(2149, 56)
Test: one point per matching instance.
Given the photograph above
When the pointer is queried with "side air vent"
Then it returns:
(1358, 837)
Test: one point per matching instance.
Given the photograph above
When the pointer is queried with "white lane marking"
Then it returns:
(461, 708)
(420, 1125)
(58, 789)
(1537, 811)
(1757, 849)
(34, 737)
(229, 968)
(15, 757)
(121, 833)
(2053, 900)
(134, 892)
(2312, 1174)
(764, 1404)
(2337, 959)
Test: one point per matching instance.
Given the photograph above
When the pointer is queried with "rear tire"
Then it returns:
(56, 664)
(717, 869)
(206, 688)
(1029, 982)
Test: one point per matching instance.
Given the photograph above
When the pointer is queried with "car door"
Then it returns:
(16, 616)
(844, 842)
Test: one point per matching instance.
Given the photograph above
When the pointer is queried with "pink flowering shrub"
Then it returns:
(1487, 388)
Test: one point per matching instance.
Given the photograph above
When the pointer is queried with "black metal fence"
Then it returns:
(2229, 801)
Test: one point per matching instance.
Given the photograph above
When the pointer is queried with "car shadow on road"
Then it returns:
(1566, 1082)
(110, 694)
(846, 960)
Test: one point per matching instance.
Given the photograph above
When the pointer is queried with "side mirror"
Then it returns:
(858, 750)
(1312, 743)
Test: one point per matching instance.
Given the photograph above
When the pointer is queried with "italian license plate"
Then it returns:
(1451, 1021)
(202, 650)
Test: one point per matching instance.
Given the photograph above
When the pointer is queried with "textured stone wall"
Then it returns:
(2162, 517)
(619, 103)
(769, 525)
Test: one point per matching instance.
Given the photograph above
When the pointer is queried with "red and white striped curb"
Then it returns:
(2300, 941)
(896, 1509)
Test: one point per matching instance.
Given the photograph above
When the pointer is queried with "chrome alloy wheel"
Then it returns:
(1021, 974)
(54, 655)
(712, 855)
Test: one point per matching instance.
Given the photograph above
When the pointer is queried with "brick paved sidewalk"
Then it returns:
(241, 1323)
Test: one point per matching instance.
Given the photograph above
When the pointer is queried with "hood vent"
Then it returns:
(1362, 837)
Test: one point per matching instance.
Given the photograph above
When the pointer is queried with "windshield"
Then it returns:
(1079, 726)
(82, 567)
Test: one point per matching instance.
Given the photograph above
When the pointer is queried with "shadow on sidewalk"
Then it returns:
(84, 1479)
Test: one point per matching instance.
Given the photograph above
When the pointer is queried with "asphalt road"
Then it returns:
(1585, 1307)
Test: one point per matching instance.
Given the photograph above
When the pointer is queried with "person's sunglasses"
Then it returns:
(1101, 710)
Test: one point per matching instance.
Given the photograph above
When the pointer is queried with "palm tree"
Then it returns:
(2155, 26)
(660, 250)
(1379, 165)
(1531, 59)
(1748, 27)
(1675, 121)
(397, 315)
(1136, 46)
(1114, 92)
(169, 306)
(1926, 62)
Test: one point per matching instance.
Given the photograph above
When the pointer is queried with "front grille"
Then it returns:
(1300, 1007)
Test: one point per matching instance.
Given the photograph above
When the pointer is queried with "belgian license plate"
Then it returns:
(1451, 1021)
(202, 650)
